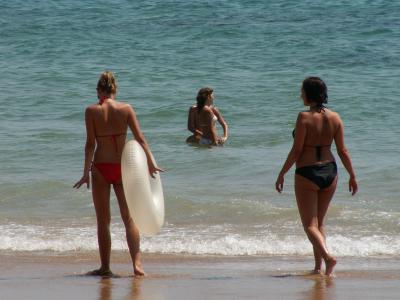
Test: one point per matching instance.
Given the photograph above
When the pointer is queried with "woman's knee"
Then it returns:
(310, 229)
(103, 229)
(104, 222)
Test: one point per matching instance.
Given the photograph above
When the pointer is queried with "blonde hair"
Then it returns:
(107, 83)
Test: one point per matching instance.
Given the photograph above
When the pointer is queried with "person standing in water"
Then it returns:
(107, 123)
(202, 120)
(316, 170)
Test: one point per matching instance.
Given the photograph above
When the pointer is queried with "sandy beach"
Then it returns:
(37, 276)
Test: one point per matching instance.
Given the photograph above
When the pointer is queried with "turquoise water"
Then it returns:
(255, 55)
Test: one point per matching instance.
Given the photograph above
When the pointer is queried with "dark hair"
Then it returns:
(107, 83)
(202, 97)
(315, 90)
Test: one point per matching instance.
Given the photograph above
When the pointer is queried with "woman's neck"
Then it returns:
(317, 107)
(104, 98)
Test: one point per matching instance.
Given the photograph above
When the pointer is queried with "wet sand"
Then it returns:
(46, 276)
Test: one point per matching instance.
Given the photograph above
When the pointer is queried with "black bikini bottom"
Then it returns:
(322, 175)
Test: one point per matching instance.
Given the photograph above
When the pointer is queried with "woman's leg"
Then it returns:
(101, 200)
(132, 232)
(307, 197)
(324, 198)
(317, 260)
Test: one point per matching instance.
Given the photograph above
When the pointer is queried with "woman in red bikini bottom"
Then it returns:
(316, 171)
(107, 123)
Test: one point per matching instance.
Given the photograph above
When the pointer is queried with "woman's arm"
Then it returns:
(221, 121)
(192, 126)
(133, 124)
(295, 152)
(191, 120)
(89, 149)
(210, 123)
(345, 157)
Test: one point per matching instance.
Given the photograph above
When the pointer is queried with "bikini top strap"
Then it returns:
(113, 139)
(319, 146)
(107, 135)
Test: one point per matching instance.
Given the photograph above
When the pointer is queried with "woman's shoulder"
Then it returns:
(208, 110)
(304, 114)
(122, 106)
(92, 108)
(332, 114)
(328, 112)
(123, 103)
(215, 110)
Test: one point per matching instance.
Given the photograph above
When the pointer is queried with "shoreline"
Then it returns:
(270, 263)
(62, 276)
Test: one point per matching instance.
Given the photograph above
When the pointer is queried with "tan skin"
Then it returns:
(202, 125)
(316, 127)
(111, 117)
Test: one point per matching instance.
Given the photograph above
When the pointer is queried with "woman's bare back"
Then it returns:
(320, 130)
(110, 123)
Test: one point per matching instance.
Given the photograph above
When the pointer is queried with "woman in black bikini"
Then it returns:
(316, 171)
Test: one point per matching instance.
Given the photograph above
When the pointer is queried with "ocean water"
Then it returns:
(255, 55)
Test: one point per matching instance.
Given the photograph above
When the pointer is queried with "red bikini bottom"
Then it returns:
(110, 171)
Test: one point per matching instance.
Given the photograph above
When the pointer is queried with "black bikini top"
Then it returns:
(320, 107)
(317, 147)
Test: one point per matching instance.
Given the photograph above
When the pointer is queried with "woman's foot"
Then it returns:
(101, 272)
(138, 270)
(330, 264)
(137, 265)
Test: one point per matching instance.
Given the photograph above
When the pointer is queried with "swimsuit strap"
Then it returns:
(317, 150)
(311, 146)
(113, 138)
(106, 135)
(320, 107)
(101, 100)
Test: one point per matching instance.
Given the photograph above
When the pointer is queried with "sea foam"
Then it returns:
(17, 237)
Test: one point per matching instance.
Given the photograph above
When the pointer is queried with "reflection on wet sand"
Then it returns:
(105, 289)
(135, 292)
(322, 289)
